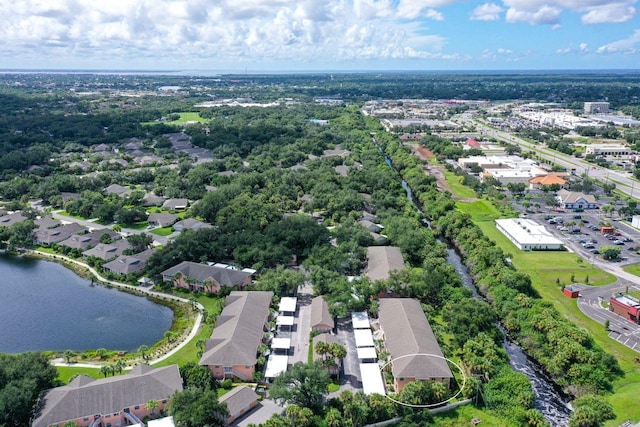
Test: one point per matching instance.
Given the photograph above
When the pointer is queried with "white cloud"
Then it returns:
(486, 12)
(548, 11)
(584, 47)
(251, 31)
(627, 45)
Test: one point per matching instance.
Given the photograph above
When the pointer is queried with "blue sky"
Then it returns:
(304, 35)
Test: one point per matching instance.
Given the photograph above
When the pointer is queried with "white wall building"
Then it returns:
(596, 107)
(610, 150)
(528, 235)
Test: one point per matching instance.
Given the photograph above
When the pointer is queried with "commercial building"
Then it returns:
(528, 235)
(231, 352)
(611, 150)
(597, 107)
(625, 306)
(113, 401)
(414, 350)
(575, 200)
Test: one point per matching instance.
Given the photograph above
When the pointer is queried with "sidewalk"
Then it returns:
(135, 289)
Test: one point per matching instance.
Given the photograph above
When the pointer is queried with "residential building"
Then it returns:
(162, 219)
(47, 222)
(113, 401)
(12, 218)
(124, 265)
(190, 224)
(382, 260)
(151, 199)
(205, 278)
(108, 251)
(625, 306)
(48, 236)
(231, 352)
(175, 204)
(321, 319)
(240, 401)
(88, 240)
(117, 189)
(575, 200)
(413, 348)
(528, 235)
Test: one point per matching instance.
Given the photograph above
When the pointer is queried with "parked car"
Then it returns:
(627, 239)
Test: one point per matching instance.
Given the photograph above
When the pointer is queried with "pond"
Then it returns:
(45, 306)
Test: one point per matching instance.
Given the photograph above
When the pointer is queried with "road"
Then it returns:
(622, 180)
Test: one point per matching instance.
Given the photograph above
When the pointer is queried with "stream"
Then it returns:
(549, 399)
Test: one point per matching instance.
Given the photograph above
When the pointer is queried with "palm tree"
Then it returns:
(102, 353)
(143, 350)
(119, 366)
(67, 355)
(104, 370)
(152, 405)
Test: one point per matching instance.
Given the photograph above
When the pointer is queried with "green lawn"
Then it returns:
(457, 187)
(66, 372)
(184, 118)
(633, 269)
(544, 268)
(142, 225)
(463, 415)
(65, 213)
(163, 231)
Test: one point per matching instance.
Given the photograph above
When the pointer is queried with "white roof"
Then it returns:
(364, 338)
(284, 320)
(360, 320)
(371, 379)
(276, 365)
(367, 353)
(162, 422)
(281, 343)
(287, 304)
(527, 232)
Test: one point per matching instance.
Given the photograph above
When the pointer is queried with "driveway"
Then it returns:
(350, 365)
(301, 333)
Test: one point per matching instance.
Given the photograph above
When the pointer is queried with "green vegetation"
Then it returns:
(457, 187)
(66, 373)
(164, 231)
(180, 119)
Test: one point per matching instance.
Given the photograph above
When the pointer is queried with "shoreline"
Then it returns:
(84, 270)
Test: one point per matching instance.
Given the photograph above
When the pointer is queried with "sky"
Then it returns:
(319, 35)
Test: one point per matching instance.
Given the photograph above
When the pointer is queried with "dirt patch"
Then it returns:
(436, 171)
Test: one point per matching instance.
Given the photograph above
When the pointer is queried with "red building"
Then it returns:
(571, 292)
(626, 307)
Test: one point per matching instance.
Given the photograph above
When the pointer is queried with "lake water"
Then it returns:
(45, 306)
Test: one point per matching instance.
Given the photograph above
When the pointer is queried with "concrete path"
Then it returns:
(135, 289)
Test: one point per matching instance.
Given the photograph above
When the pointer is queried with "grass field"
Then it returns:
(545, 268)
(185, 117)
(457, 187)
(633, 269)
(164, 231)
(66, 372)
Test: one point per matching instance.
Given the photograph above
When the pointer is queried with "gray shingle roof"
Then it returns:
(175, 204)
(108, 251)
(58, 234)
(191, 224)
(407, 332)
(10, 219)
(239, 329)
(238, 399)
(320, 313)
(382, 260)
(202, 272)
(162, 219)
(129, 264)
(85, 396)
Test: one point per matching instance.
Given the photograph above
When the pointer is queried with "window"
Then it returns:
(227, 369)
(136, 407)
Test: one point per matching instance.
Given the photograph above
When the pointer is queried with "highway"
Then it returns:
(623, 180)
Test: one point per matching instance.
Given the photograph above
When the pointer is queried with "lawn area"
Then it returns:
(463, 415)
(633, 269)
(67, 214)
(481, 211)
(457, 187)
(189, 353)
(184, 118)
(544, 268)
(163, 231)
(142, 225)
(66, 372)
